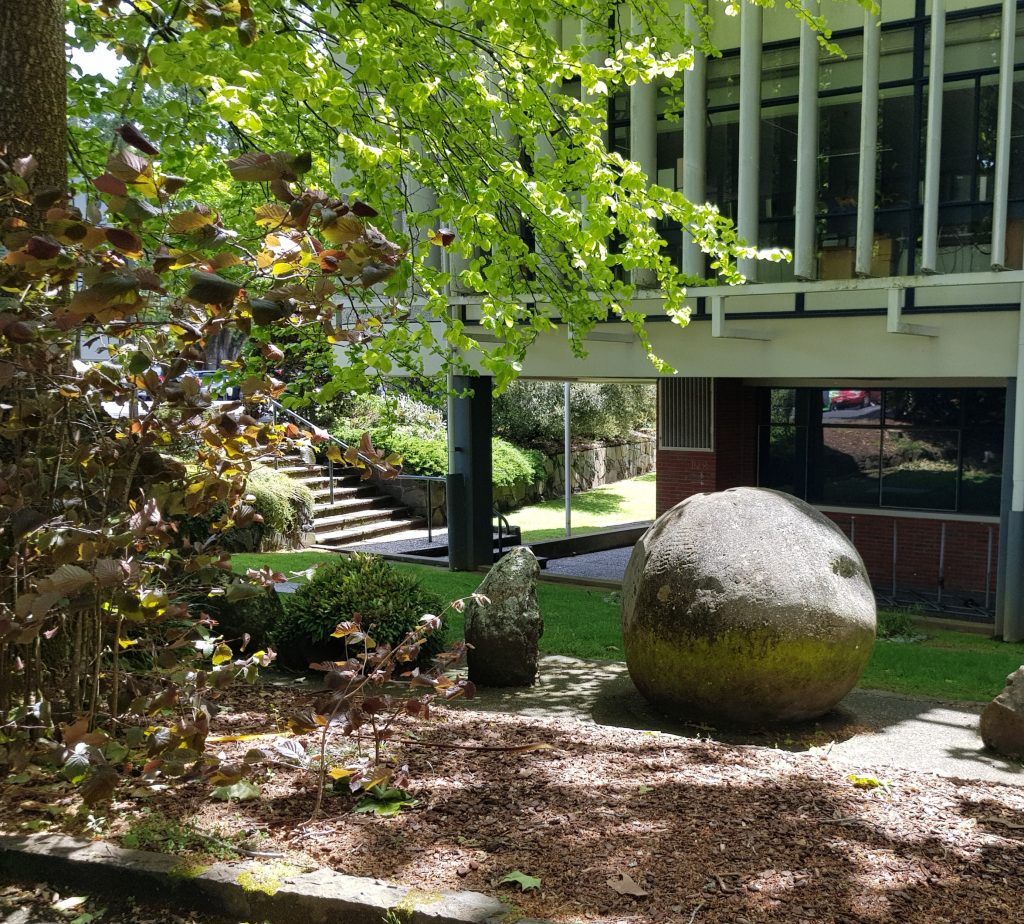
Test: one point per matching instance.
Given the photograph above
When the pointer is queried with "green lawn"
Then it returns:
(584, 623)
(610, 505)
(578, 622)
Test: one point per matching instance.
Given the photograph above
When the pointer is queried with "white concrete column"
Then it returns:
(695, 107)
(805, 250)
(1011, 619)
(643, 145)
(933, 139)
(1007, 44)
(554, 29)
(748, 188)
(868, 145)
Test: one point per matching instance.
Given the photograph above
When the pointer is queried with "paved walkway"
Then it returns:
(605, 566)
(869, 732)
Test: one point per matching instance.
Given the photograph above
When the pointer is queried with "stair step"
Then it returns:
(355, 517)
(369, 531)
(340, 513)
(342, 496)
(323, 493)
(310, 480)
(298, 470)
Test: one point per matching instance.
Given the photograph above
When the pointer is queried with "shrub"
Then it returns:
(531, 413)
(428, 455)
(389, 601)
(897, 624)
(513, 465)
(285, 505)
(256, 617)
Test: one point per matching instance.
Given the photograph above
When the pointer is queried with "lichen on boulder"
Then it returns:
(746, 606)
(504, 633)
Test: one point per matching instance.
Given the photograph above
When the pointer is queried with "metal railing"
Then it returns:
(504, 527)
(372, 464)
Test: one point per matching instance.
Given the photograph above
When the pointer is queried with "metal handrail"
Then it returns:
(502, 522)
(324, 434)
(373, 464)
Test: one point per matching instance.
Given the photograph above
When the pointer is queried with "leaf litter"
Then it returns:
(723, 833)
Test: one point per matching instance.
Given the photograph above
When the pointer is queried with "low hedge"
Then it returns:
(429, 455)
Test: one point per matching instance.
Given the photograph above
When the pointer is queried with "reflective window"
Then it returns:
(913, 448)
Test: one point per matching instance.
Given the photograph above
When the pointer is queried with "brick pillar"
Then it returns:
(730, 463)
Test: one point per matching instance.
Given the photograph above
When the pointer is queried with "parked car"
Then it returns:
(842, 398)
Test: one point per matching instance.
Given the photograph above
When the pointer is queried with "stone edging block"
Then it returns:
(256, 890)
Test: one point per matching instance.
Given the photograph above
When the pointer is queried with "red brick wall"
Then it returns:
(918, 546)
(735, 433)
(682, 473)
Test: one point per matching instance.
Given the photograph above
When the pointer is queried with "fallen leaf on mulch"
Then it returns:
(624, 884)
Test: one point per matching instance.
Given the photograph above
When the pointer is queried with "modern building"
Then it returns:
(880, 374)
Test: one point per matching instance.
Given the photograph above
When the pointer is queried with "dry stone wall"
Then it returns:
(591, 468)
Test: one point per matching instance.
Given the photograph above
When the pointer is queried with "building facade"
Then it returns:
(880, 374)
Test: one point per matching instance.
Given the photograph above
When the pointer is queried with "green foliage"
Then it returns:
(384, 801)
(428, 455)
(531, 413)
(897, 624)
(393, 411)
(270, 72)
(521, 879)
(285, 506)
(512, 465)
(155, 831)
(389, 601)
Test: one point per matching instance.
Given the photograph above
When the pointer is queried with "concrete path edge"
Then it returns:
(256, 890)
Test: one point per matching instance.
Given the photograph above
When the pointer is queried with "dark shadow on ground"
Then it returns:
(868, 728)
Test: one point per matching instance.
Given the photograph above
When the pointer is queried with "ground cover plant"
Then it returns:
(585, 623)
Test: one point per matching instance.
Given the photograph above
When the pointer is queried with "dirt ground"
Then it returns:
(700, 831)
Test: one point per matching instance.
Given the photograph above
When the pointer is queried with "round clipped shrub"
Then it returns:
(389, 601)
(746, 606)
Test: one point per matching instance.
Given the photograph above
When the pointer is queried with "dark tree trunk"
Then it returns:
(226, 344)
(33, 88)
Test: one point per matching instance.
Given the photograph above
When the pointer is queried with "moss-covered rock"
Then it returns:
(746, 606)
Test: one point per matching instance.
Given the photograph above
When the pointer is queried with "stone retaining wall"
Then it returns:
(591, 468)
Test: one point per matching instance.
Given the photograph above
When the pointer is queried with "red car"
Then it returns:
(850, 397)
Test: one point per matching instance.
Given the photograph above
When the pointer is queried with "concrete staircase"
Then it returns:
(359, 510)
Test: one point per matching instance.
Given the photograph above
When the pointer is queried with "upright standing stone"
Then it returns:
(1002, 722)
(505, 632)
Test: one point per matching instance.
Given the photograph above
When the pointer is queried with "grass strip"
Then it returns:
(585, 623)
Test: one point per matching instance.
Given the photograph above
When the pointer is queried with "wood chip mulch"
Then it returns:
(701, 831)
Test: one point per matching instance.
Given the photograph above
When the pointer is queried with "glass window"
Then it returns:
(919, 468)
(852, 407)
(981, 481)
(922, 406)
(783, 465)
(913, 448)
(723, 144)
(849, 466)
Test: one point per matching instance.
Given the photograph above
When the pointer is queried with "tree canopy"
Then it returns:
(469, 117)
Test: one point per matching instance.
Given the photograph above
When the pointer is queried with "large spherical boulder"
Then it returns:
(746, 606)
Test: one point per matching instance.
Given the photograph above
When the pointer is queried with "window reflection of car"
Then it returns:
(842, 398)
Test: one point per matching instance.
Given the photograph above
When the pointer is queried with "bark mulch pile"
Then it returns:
(626, 826)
